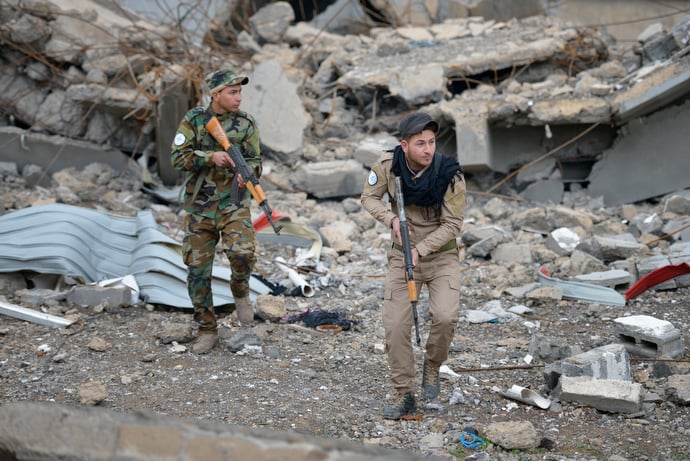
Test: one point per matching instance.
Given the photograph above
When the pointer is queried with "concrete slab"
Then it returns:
(651, 94)
(649, 161)
(54, 153)
(614, 396)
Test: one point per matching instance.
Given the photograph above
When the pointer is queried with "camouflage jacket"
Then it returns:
(207, 186)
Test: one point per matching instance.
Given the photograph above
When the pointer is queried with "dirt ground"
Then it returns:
(336, 384)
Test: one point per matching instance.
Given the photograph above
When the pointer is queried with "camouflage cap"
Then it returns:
(416, 123)
(221, 78)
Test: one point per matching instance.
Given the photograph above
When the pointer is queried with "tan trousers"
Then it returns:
(440, 272)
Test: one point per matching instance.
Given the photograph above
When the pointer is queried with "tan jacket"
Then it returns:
(428, 232)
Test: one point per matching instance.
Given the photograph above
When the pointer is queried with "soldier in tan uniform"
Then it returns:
(434, 196)
(216, 201)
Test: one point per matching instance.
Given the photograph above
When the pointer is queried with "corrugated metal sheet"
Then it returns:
(93, 246)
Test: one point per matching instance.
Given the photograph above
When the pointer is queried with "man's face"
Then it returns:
(419, 149)
(229, 98)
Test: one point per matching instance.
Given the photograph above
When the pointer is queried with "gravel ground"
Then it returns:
(336, 384)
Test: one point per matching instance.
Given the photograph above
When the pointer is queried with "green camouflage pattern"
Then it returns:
(225, 77)
(202, 235)
(211, 214)
(208, 187)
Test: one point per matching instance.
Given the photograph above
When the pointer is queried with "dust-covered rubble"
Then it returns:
(288, 376)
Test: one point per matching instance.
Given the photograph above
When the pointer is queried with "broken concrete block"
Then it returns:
(611, 395)
(371, 148)
(648, 336)
(582, 263)
(563, 216)
(610, 249)
(94, 295)
(546, 191)
(652, 263)
(337, 178)
(646, 224)
(562, 241)
(678, 389)
(680, 253)
(678, 203)
(11, 282)
(512, 252)
(606, 362)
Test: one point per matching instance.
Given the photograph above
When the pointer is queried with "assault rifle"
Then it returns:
(407, 253)
(213, 126)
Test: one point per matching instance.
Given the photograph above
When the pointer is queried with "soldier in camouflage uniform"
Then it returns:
(215, 209)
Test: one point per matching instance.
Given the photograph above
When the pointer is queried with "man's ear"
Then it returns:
(404, 145)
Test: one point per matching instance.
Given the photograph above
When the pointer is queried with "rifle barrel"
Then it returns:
(407, 254)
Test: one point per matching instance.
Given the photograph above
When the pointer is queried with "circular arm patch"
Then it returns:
(179, 139)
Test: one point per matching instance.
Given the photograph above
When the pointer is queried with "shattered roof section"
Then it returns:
(463, 48)
(94, 246)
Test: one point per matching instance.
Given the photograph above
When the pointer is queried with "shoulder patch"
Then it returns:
(179, 139)
(372, 179)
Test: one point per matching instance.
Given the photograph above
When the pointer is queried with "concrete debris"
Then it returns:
(88, 432)
(610, 395)
(552, 106)
(647, 336)
(554, 124)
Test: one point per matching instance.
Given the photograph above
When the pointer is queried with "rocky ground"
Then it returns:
(297, 378)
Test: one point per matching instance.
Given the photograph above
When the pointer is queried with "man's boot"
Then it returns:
(403, 406)
(205, 342)
(245, 310)
(431, 384)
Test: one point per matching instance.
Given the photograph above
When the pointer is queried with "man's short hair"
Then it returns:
(221, 78)
(416, 123)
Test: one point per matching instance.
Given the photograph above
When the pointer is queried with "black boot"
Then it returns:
(404, 405)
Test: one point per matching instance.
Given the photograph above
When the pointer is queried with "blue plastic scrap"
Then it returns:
(469, 440)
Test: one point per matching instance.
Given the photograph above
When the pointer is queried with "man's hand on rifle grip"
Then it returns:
(223, 160)
(395, 226)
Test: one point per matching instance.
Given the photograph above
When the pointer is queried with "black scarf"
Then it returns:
(428, 190)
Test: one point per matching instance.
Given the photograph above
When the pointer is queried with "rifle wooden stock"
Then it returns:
(213, 126)
(407, 253)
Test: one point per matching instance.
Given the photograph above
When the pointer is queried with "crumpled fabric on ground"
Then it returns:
(313, 318)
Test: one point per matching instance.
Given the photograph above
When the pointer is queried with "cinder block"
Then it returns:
(649, 337)
(93, 295)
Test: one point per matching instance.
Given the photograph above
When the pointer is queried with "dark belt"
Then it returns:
(451, 245)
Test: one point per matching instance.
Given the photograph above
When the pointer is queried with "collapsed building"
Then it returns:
(530, 105)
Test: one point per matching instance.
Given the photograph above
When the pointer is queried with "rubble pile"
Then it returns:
(559, 352)
(331, 102)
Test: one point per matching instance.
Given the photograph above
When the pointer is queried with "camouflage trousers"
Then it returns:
(202, 235)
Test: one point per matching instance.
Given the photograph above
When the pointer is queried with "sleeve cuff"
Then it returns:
(422, 249)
